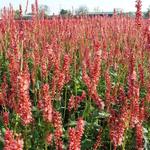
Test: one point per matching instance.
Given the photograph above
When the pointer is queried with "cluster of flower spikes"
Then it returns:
(108, 89)
(45, 104)
(148, 34)
(98, 140)
(61, 75)
(49, 138)
(64, 76)
(118, 121)
(57, 123)
(47, 59)
(75, 135)
(91, 80)
(14, 72)
(136, 111)
(11, 143)
(24, 105)
(74, 101)
(6, 118)
(4, 93)
(137, 117)
(51, 116)
(138, 18)
(147, 100)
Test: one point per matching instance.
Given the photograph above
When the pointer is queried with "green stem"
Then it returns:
(46, 146)
(124, 142)
(65, 105)
(16, 122)
(110, 145)
(26, 141)
(87, 108)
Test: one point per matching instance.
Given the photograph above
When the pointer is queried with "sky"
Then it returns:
(56, 5)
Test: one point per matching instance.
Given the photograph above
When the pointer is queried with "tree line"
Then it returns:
(79, 11)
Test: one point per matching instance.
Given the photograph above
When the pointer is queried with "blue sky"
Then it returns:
(56, 5)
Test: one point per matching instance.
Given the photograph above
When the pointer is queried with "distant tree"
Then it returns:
(97, 9)
(82, 10)
(64, 12)
(17, 14)
(44, 8)
(147, 14)
(131, 14)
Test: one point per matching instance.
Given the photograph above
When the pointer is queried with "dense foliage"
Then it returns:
(74, 83)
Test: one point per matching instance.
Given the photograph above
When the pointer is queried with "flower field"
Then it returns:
(74, 83)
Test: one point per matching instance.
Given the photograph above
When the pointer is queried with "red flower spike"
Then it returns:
(11, 143)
